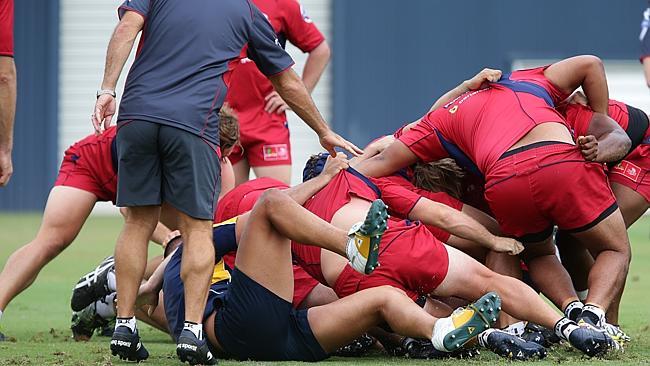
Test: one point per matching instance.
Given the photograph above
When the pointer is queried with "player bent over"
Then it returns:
(252, 317)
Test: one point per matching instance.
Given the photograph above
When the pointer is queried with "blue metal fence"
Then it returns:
(36, 32)
(392, 58)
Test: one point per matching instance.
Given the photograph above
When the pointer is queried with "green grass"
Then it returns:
(38, 319)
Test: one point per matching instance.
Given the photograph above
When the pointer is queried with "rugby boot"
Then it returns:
(364, 237)
(194, 351)
(357, 347)
(127, 346)
(540, 335)
(84, 323)
(466, 323)
(585, 337)
(422, 349)
(617, 334)
(92, 286)
(510, 346)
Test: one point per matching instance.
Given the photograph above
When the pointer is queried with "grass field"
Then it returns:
(38, 320)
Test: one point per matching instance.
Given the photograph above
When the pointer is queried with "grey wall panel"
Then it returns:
(393, 58)
(35, 138)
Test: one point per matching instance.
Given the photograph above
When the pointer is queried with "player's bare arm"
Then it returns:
(606, 141)
(586, 71)
(293, 91)
(461, 225)
(119, 48)
(304, 191)
(478, 81)
(315, 65)
(395, 157)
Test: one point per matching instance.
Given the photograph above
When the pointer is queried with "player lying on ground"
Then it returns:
(87, 175)
(629, 177)
(254, 318)
(344, 201)
(510, 134)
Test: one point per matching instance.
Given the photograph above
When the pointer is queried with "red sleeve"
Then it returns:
(7, 28)
(422, 139)
(398, 194)
(298, 26)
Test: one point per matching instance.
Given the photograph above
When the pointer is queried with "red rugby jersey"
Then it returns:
(247, 85)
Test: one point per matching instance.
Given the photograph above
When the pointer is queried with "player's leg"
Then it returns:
(65, 213)
(467, 278)
(279, 172)
(548, 274)
(338, 323)
(609, 243)
(632, 204)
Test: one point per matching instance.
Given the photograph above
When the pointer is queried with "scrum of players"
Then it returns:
(435, 242)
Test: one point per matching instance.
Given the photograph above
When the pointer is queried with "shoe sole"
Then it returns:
(374, 226)
(486, 312)
(189, 356)
(124, 353)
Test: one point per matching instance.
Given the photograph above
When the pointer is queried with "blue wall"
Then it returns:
(36, 32)
(392, 59)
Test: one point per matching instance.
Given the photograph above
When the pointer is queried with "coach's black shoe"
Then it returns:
(93, 286)
(510, 346)
(540, 335)
(422, 349)
(127, 346)
(84, 323)
(194, 351)
(357, 347)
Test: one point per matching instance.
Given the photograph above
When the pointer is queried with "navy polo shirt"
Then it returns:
(187, 47)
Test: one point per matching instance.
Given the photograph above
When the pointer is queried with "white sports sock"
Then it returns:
(0, 314)
(131, 323)
(441, 328)
(516, 328)
(106, 306)
(564, 327)
(597, 314)
(112, 282)
(197, 329)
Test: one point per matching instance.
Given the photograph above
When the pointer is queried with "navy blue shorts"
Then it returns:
(256, 324)
(174, 295)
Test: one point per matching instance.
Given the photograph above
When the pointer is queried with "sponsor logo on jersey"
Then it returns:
(275, 152)
(628, 170)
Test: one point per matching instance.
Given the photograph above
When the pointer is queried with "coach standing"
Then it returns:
(7, 89)
(168, 134)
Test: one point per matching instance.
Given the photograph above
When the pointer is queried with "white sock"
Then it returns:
(564, 327)
(516, 328)
(482, 338)
(441, 328)
(106, 306)
(131, 323)
(597, 314)
(0, 314)
(112, 282)
(197, 329)
(582, 295)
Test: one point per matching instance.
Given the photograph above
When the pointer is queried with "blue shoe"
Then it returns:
(194, 351)
(127, 345)
(510, 346)
(592, 341)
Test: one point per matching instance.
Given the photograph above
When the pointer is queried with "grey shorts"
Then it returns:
(159, 163)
